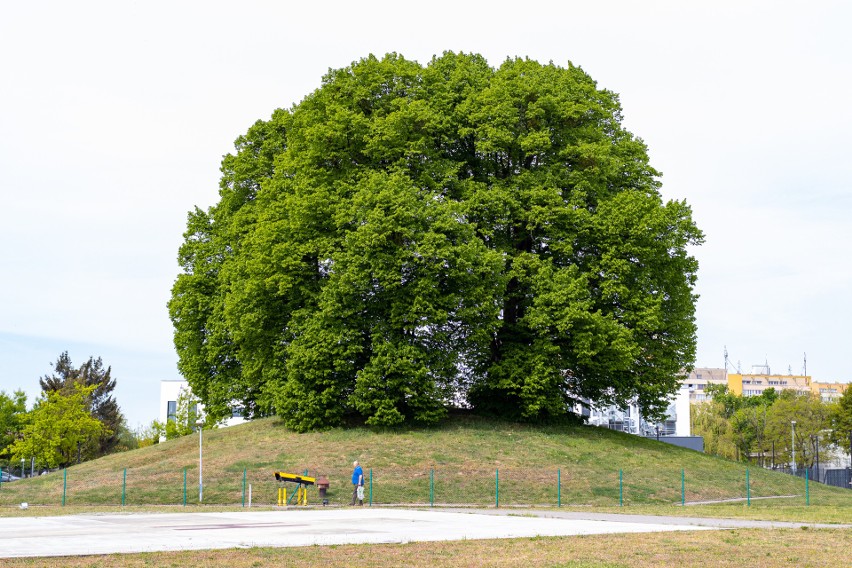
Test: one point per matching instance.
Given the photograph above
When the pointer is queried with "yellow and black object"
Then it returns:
(301, 481)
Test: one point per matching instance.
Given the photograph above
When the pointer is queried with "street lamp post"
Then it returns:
(793, 423)
(816, 453)
(200, 423)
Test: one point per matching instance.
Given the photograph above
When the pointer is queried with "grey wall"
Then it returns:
(692, 442)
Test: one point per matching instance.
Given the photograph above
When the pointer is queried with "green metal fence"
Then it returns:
(242, 486)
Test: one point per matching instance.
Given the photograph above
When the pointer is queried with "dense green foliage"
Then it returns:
(100, 401)
(749, 427)
(13, 410)
(75, 419)
(409, 237)
(57, 428)
(841, 421)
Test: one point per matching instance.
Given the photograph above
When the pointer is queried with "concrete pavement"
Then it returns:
(93, 534)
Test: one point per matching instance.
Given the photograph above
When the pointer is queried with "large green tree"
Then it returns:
(410, 236)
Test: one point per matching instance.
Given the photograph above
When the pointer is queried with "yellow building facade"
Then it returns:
(829, 392)
(751, 384)
(755, 384)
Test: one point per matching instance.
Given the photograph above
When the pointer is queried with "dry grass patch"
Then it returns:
(738, 548)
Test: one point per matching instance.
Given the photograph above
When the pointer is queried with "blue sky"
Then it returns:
(114, 117)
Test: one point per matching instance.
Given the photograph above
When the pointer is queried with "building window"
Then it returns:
(171, 411)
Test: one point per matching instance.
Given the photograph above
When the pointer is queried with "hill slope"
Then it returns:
(575, 465)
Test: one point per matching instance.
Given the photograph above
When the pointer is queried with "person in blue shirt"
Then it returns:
(358, 483)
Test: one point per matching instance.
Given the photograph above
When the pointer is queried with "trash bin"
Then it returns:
(322, 487)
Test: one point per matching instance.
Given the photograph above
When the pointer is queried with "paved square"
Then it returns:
(145, 532)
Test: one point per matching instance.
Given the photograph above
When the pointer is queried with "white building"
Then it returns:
(700, 378)
(629, 419)
(170, 391)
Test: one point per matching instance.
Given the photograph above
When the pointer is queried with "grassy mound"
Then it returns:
(466, 461)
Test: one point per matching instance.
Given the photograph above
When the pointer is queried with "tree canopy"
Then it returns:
(411, 236)
(759, 427)
(100, 401)
(58, 427)
(841, 421)
(13, 410)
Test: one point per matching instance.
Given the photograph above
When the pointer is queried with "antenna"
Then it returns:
(805, 372)
(789, 369)
(726, 359)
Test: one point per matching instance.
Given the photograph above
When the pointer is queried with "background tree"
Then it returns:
(185, 420)
(708, 419)
(409, 235)
(13, 411)
(101, 402)
(734, 426)
(57, 428)
(750, 427)
(147, 435)
(812, 419)
(841, 421)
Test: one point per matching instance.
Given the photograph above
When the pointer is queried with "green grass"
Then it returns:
(464, 453)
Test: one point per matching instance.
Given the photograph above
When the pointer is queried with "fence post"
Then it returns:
(683, 488)
(497, 488)
(124, 487)
(748, 490)
(371, 487)
(64, 484)
(807, 489)
(620, 488)
(245, 471)
(432, 487)
(558, 487)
